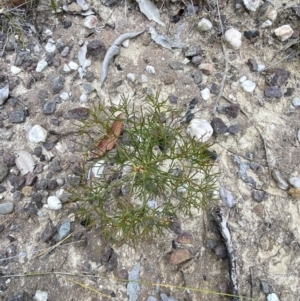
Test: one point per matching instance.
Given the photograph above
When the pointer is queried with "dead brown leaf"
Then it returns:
(110, 138)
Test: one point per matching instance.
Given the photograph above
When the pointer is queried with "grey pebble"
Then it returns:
(65, 51)
(232, 110)
(258, 195)
(173, 99)
(79, 113)
(49, 107)
(64, 230)
(52, 184)
(89, 76)
(296, 102)
(264, 286)
(74, 180)
(280, 77)
(60, 181)
(196, 60)
(37, 151)
(16, 182)
(211, 244)
(9, 159)
(17, 116)
(6, 208)
(2, 189)
(43, 95)
(30, 179)
(192, 51)
(198, 77)
(273, 92)
(109, 3)
(252, 64)
(95, 47)
(3, 170)
(55, 165)
(88, 88)
(66, 24)
(55, 121)
(42, 184)
(48, 232)
(17, 196)
(214, 88)
(221, 251)
(176, 65)
(218, 126)
(56, 83)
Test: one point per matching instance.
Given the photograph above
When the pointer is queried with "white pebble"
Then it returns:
(205, 94)
(271, 14)
(83, 98)
(260, 67)
(24, 162)
(266, 24)
(243, 78)
(73, 65)
(41, 66)
(200, 129)
(60, 148)
(15, 70)
(131, 77)
(204, 25)
(144, 79)
(296, 101)
(90, 22)
(251, 5)
(50, 47)
(150, 69)
(98, 169)
(66, 68)
(36, 48)
(234, 38)
(248, 86)
(126, 43)
(41, 296)
(284, 32)
(272, 297)
(54, 203)
(64, 96)
(37, 134)
(295, 182)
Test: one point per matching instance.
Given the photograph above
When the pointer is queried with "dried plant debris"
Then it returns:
(83, 61)
(226, 197)
(133, 287)
(150, 11)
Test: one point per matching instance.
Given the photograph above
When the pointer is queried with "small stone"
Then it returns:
(192, 51)
(6, 208)
(196, 60)
(234, 38)
(250, 34)
(73, 66)
(56, 83)
(176, 65)
(169, 80)
(284, 32)
(83, 98)
(280, 77)
(295, 182)
(48, 232)
(64, 230)
(15, 181)
(37, 151)
(30, 179)
(272, 297)
(65, 51)
(95, 47)
(273, 92)
(248, 86)
(259, 210)
(219, 126)
(206, 68)
(60, 182)
(198, 77)
(221, 251)
(63, 195)
(251, 5)
(205, 94)
(74, 8)
(15, 70)
(258, 195)
(109, 3)
(24, 162)
(54, 203)
(64, 96)
(252, 64)
(204, 25)
(214, 88)
(49, 107)
(66, 24)
(186, 238)
(289, 92)
(144, 79)
(173, 99)
(90, 22)
(17, 116)
(266, 24)
(180, 255)
(232, 110)
(52, 184)
(41, 295)
(264, 286)
(88, 88)
(233, 129)
(280, 181)
(79, 113)
(260, 67)
(9, 159)
(50, 47)
(200, 129)
(37, 134)
(131, 77)
(271, 14)
(42, 184)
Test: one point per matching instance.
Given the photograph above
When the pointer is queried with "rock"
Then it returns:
(41, 66)
(73, 66)
(233, 129)
(219, 127)
(66, 24)
(63, 195)
(221, 251)
(248, 86)
(280, 77)
(258, 195)
(17, 116)
(232, 110)
(200, 129)
(4, 93)
(260, 67)
(173, 65)
(95, 47)
(90, 22)
(204, 25)
(83, 98)
(144, 79)
(9, 159)
(49, 107)
(42, 184)
(180, 255)
(3, 170)
(79, 113)
(48, 232)
(280, 181)
(272, 297)
(234, 38)
(186, 238)
(214, 88)
(273, 92)
(169, 80)
(284, 32)
(259, 210)
(109, 3)
(266, 24)
(198, 77)
(173, 99)
(192, 51)
(251, 5)
(52, 184)
(205, 94)
(56, 83)
(289, 92)
(30, 179)
(252, 64)
(16, 182)
(24, 162)
(264, 286)
(150, 69)
(251, 34)
(6, 208)
(64, 230)
(206, 68)
(37, 134)
(15, 70)
(64, 96)
(20, 296)
(226, 197)
(41, 295)
(131, 77)
(50, 47)
(54, 203)
(295, 182)
(196, 60)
